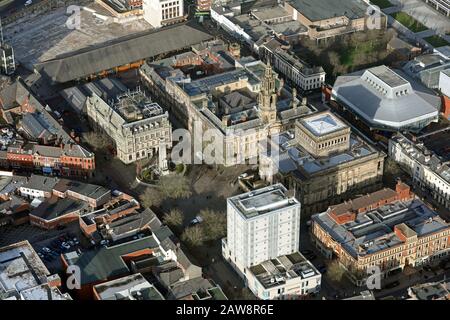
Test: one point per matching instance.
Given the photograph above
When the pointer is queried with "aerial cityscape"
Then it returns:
(224, 150)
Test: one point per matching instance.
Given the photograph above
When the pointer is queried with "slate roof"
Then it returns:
(39, 182)
(107, 262)
(87, 62)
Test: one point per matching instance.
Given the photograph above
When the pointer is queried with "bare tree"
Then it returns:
(193, 236)
(335, 272)
(173, 218)
(96, 139)
(175, 186)
(150, 197)
(214, 224)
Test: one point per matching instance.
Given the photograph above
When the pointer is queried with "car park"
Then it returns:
(54, 253)
(65, 245)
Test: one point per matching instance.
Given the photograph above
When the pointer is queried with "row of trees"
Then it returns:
(168, 187)
(349, 52)
(213, 227)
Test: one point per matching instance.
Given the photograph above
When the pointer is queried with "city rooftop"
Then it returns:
(323, 123)
(373, 231)
(263, 200)
(275, 272)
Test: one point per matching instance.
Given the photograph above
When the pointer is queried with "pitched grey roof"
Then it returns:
(39, 182)
(85, 63)
(136, 221)
(106, 263)
(35, 126)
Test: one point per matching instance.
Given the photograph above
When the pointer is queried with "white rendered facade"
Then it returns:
(160, 12)
(302, 75)
(261, 225)
(425, 169)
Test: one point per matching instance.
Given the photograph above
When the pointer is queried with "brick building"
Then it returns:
(386, 229)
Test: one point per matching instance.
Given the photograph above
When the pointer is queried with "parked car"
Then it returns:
(65, 245)
(45, 249)
(196, 220)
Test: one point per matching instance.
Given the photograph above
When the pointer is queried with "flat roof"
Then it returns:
(267, 13)
(92, 191)
(54, 207)
(431, 291)
(275, 272)
(388, 76)
(316, 10)
(263, 200)
(132, 287)
(44, 292)
(205, 85)
(323, 123)
(20, 269)
(373, 231)
(291, 157)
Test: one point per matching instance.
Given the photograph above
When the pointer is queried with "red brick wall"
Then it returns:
(446, 106)
(53, 224)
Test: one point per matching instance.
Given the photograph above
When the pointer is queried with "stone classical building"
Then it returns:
(302, 75)
(139, 127)
(244, 107)
(386, 229)
(163, 12)
(323, 161)
(426, 168)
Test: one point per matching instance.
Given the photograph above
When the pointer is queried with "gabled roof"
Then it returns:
(87, 62)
